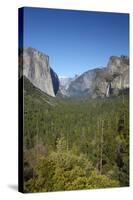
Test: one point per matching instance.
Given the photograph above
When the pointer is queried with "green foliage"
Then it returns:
(75, 143)
(62, 170)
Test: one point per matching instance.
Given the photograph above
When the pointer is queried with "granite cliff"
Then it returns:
(102, 82)
(34, 65)
(98, 82)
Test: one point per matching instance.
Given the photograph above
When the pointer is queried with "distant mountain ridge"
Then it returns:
(64, 84)
(102, 82)
(98, 82)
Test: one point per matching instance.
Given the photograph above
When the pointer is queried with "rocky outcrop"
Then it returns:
(118, 65)
(35, 66)
(118, 70)
(102, 82)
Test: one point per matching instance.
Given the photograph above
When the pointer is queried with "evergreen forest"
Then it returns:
(74, 143)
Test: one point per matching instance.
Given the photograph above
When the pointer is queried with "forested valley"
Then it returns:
(74, 143)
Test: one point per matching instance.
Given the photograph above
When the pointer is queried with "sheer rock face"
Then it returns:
(55, 81)
(103, 81)
(35, 66)
(118, 67)
(99, 82)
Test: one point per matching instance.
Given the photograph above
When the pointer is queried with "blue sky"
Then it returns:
(76, 41)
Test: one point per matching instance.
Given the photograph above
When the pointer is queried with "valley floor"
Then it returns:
(74, 144)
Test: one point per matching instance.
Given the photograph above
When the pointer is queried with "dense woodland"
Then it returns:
(74, 144)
